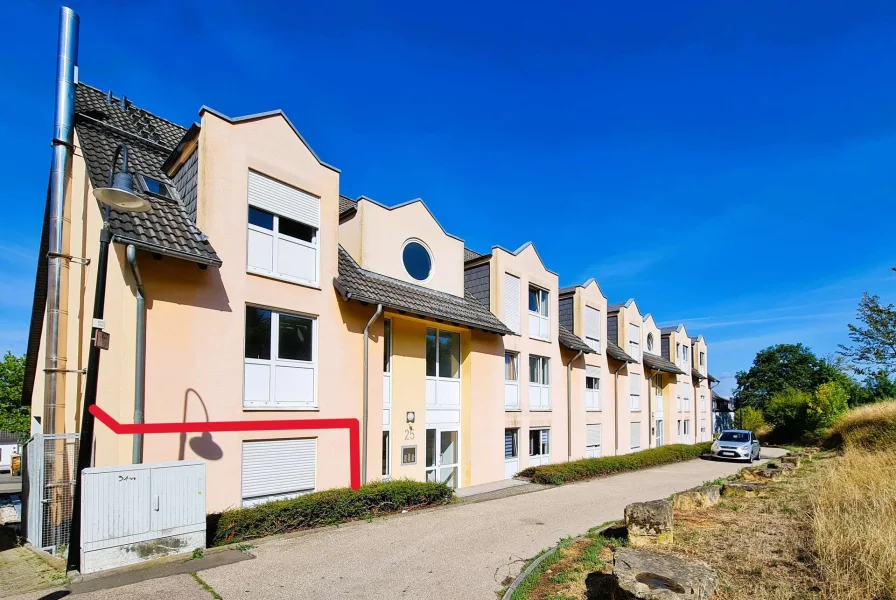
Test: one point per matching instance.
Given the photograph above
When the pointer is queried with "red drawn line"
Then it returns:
(353, 426)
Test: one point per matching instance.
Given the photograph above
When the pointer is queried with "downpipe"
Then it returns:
(140, 353)
(569, 405)
(376, 315)
(616, 406)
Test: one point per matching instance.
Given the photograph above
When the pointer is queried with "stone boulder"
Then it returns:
(699, 497)
(791, 459)
(736, 488)
(649, 523)
(649, 575)
(761, 474)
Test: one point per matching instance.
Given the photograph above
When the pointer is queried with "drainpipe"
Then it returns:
(651, 423)
(569, 405)
(616, 405)
(140, 365)
(60, 180)
(376, 315)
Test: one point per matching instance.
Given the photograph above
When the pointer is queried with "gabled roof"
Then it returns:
(408, 203)
(617, 353)
(520, 249)
(658, 363)
(698, 338)
(697, 374)
(347, 206)
(572, 288)
(471, 254)
(674, 329)
(627, 304)
(571, 341)
(355, 283)
(264, 115)
(166, 228)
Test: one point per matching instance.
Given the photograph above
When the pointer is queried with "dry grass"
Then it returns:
(854, 512)
(759, 546)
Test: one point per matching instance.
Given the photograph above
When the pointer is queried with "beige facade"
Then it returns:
(444, 392)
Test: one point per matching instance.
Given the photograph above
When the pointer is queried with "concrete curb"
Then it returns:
(522, 576)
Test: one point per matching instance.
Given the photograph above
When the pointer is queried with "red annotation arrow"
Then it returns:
(353, 426)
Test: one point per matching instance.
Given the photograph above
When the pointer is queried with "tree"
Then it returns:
(778, 368)
(787, 412)
(751, 419)
(874, 339)
(827, 405)
(13, 416)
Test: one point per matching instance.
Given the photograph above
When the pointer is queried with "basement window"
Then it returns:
(156, 187)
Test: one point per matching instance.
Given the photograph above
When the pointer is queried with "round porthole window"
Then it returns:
(416, 259)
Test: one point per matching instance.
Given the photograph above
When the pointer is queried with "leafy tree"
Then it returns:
(787, 412)
(827, 405)
(874, 339)
(13, 416)
(751, 419)
(778, 368)
(880, 386)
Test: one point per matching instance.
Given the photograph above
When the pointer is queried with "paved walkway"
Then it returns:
(466, 551)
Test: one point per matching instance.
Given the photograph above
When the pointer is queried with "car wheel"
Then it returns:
(751, 457)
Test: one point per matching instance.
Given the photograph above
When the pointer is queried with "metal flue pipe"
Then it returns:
(55, 363)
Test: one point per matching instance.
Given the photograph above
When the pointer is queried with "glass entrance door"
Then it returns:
(659, 432)
(442, 456)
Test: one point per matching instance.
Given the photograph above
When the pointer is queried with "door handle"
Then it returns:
(155, 502)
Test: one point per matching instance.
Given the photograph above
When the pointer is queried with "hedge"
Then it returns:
(588, 468)
(323, 508)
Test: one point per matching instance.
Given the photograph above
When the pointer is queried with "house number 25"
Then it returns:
(408, 434)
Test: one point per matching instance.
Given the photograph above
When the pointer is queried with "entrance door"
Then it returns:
(442, 456)
(659, 432)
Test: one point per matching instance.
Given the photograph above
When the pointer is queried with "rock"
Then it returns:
(649, 523)
(654, 576)
(791, 459)
(699, 497)
(761, 474)
(742, 489)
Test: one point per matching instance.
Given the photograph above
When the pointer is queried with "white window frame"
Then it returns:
(544, 386)
(678, 353)
(634, 345)
(657, 385)
(703, 359)
(277, 236)
(634, 399)
(592, 395)
(635, 427)
(679, 431)
(702, 402)
(687, 429)
(541, 316)
(594, 450)
(276, 361)
(387, 443)
(435, 379)
(590, 331)
(544, 447)
(512, 397)
(650, 342)
(515, 442)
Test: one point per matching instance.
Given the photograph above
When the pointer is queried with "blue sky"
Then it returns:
(737, 157)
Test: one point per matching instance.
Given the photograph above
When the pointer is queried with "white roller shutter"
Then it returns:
(592, 435)
(592, 323)
(278, 469)
(636, 436)
(281, 199)
(592, 371)
(512, 302)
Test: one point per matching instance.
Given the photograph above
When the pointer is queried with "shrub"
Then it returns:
(870, 427)
(830, 402)
(323, 508)
(589, 468)
(751, 419)
(787, 412)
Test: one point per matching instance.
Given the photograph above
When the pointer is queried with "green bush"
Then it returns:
(750, 419)
(787, 411)
(588, 468)
(831, 401)
(323, 508)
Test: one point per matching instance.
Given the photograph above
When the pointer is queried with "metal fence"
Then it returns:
(49, 488)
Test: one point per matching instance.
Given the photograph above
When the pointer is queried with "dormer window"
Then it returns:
(539, 327)
(156, 187)
(650, 342)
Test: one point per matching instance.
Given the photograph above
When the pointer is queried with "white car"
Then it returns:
(737, 444)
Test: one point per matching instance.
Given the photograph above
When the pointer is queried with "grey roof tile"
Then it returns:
(711, 378)
(570, 340)
(697, 374)
(346, 205)
(471, 254)
(166, 228)
(617, 353)
(355, 283)
(652, 361)
(615, 307)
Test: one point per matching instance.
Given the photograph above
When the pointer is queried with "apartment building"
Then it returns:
(270, 296)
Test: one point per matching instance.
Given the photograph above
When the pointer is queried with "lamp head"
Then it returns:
(121, 195)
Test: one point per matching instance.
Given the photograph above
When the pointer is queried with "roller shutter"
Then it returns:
(278, 469)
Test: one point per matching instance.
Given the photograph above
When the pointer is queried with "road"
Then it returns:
(465, 551)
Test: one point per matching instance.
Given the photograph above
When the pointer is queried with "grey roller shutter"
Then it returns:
(278, 469)
(512, 302)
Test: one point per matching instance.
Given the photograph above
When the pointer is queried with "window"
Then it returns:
(387, 373)
(702, 431)
(658, 388)
(687, 429)
(702, 359)
(277, 469)
(678, 397)
(592, 388)
(592, 441)
(702, 402)
(634, 380)
(539, 443)
(539, 327)
(511, 443)
(386, 462)
(511, 381)
(592, 328)
(280, 360)
(512, 302)
(650, 342)
(282, 238)
(678, 354)
(634, 341)
(417, 260)
(539, 383)
(686, 399)
(679, 431)
(442, 368)
(684, 355)
(387, 346)
(157, 187)
(635, 436)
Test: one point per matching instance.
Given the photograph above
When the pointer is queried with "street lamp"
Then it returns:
(120, 196)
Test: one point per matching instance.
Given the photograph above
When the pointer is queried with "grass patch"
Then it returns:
(870, 427)
(206, 587)
(323, 508)
(589, 468)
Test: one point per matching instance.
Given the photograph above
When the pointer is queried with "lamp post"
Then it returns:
(120, 196)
